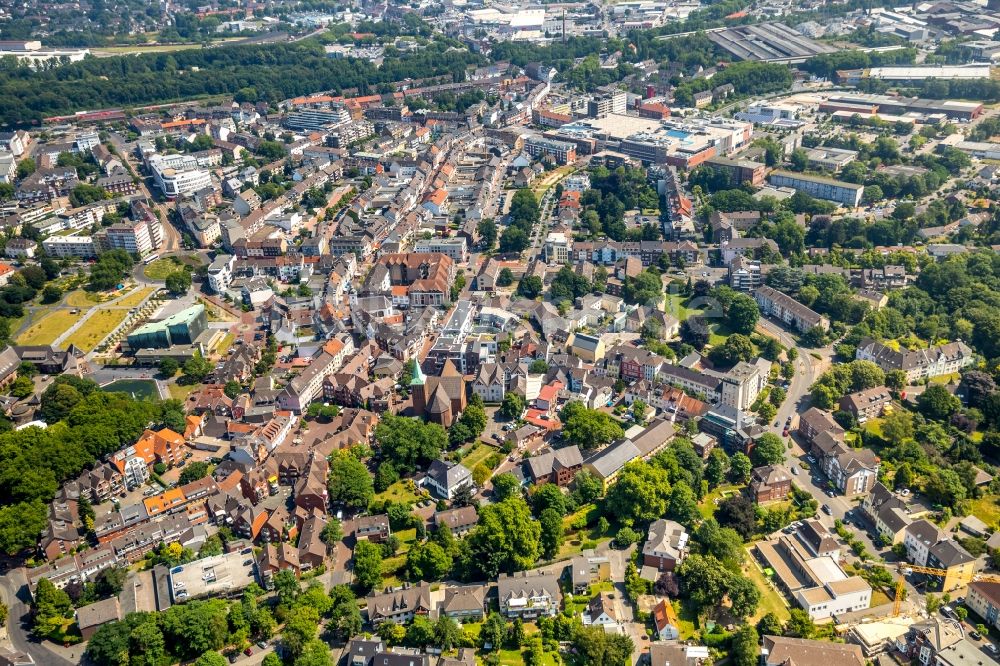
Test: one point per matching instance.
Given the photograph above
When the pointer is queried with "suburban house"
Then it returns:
(928, 546)
(399, 605)
(445, 478)
(372, 528)
(529, 594)
(558, 466)
(465, 603)
(460, 521)
(666, 545)
(770, 483)
(665, 620)
(866, 404)
(887, 512)
(782, 651)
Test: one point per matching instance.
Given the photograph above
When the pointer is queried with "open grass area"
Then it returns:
(477, 454)
(135, 298)
(874, 427)
(708, 506)
(96, 328)
(676, 304)
(161, 268)
(153, 48)
(180, 391)
(987, 509)
(551, 178)
(401, 492)
(215, 313)
(770, 600)
(84, 299)
(225, 342)
(49, 327)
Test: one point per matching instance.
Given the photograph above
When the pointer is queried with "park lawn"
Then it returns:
(514, 658)
(80, 298)
(135, 298)
(551, 178)
(770, 600)
(96, 328)
(153, 48)
(946, 379)
(987, 509)
(180, 391)
(707, 505)
(687, 619)
(676, 305)
(874, 427)
(161, 268)
(398, 492)
(49, 327)
(477, 454)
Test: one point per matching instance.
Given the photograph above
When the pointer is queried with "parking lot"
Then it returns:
(217, 575)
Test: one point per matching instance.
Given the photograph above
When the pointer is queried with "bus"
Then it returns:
(150, 259)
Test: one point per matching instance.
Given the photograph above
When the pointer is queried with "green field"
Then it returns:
(135, 298)
(161, 268)
(987, 509)
(770, 600)
(398, 492)
(48, 328)
(96, 328)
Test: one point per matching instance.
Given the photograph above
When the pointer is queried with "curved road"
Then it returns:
(13, 589)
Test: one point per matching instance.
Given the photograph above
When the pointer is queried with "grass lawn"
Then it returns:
(97, 326)
(879, 598)
(84, 299)
(676, 305)
(215, 313)
(48, 328)
(477, 454)
(161, 268)
(224, 344)
(687, 619)
(707, 506)
(874, 427)
(180, 391)
(135, 297)
(398, 492)
(770, 600)
(987, 510)
(946, 379)
(155, 48)
(514, 658)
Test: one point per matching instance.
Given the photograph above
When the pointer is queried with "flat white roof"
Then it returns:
(935, 72)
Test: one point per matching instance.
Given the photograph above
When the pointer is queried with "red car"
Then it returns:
(248, 651)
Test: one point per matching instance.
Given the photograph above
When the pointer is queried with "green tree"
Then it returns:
(768, 450)
(506, 539)
(193, 472)
(745, 646)
(232, 389)
(50, 609)
(301, 624)
(332, 532)
(736, 348)
(314, 653)
(25, 167)
(769, 625)
(641, 494)
(211, 659)
(428, 561)
(512, 406)
(799, 624)
(937, 403)
(487, 229)
(743, 314)
(530, 286)
(367, 565)
(197, 368)
(493, 631)
(409, 443)
(169, 367)
(588, 428)
(505, 485)
(350, 483)
(740, 468)
(552, 533)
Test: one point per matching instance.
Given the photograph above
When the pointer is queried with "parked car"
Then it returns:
(262, 644)
(826, 509)
(248, 651)
(811, 459)
(976, 636)
(233, 656)
(830, 493)
(795, 471)
(992, 649)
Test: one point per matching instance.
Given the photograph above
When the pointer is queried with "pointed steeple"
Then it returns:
(418, 374)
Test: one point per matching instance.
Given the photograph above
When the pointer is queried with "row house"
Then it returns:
(887, 512)
(400, 605)
(928, 546)
(918, 364)
(852, 471)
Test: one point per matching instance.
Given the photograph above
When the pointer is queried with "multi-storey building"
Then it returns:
(782, 306)
(918, 364)
(820, 187)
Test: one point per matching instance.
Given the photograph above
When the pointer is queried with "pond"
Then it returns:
(137, 388)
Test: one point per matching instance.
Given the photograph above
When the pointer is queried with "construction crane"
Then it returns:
(906, 569)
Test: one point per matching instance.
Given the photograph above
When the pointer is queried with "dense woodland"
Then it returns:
(272, 71)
